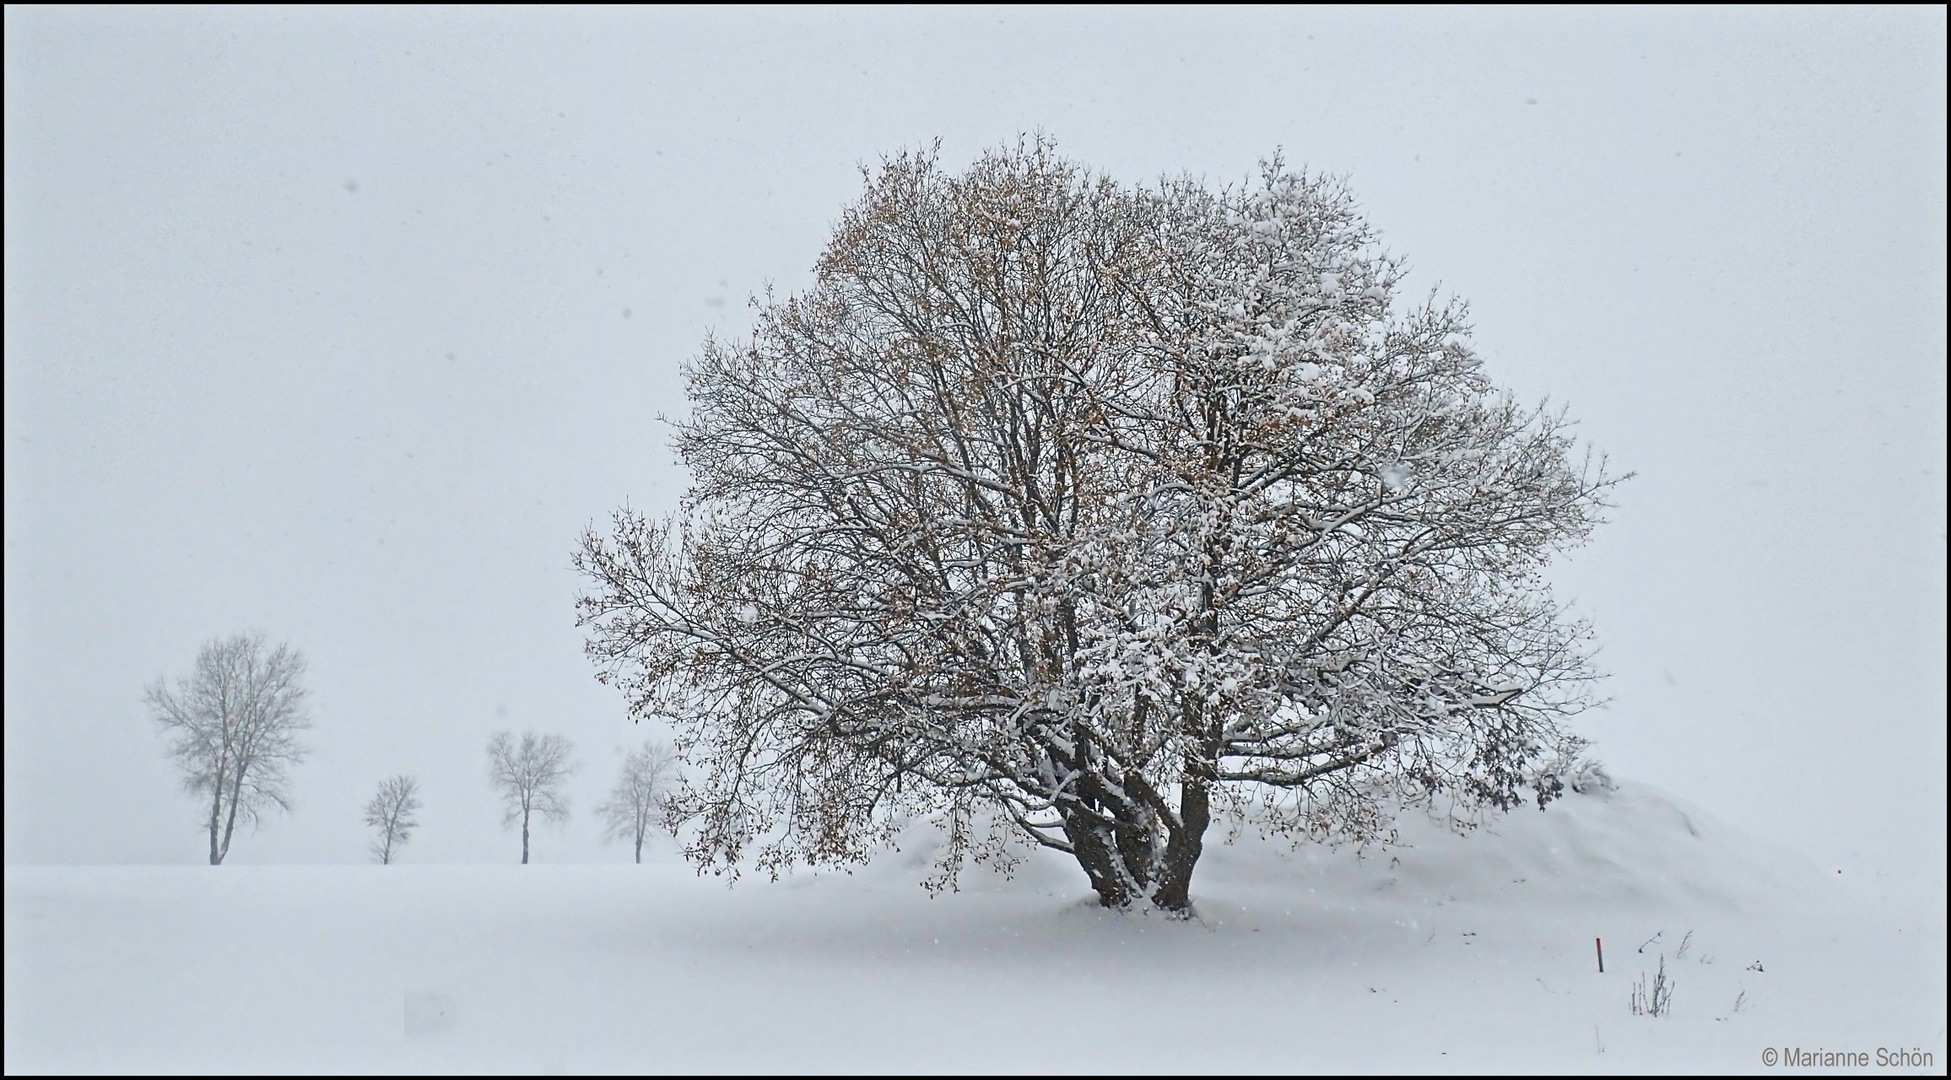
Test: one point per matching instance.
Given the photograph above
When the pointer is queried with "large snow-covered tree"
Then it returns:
(1090, 510)
(234, 725)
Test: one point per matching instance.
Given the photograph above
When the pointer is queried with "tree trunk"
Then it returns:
(217, 807)
(1098, 855)
(1183, 847)
(1128, 858)
(524, 837)
(640, 846)
(230, 819)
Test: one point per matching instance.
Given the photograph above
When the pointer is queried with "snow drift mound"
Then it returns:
(1620, 844)
(1628, 844)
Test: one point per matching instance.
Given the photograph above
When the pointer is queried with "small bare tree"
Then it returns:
(234, 724)
(637, 801)
(391, 812)
(530, 778)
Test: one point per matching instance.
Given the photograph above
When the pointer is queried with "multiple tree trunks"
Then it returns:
(233, 725)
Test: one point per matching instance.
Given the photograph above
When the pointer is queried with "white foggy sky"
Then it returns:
(316, 323)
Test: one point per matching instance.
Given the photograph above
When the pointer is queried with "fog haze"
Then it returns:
(342, 324)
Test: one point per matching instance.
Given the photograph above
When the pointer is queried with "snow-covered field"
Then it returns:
(1452, 954)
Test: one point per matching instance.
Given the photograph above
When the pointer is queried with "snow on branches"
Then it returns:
(1083, 508)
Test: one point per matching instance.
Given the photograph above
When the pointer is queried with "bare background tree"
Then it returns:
(530, 776)
(637, 803)
(233, 725)
(391, 813)
(1093, 511)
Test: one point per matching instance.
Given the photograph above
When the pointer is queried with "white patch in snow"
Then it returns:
(428, 1013)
